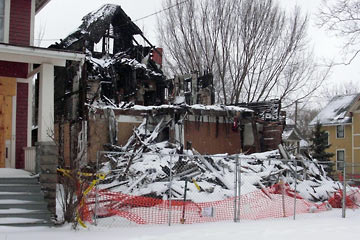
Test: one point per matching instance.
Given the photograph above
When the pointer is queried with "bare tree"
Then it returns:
(304, 116)
(254, 49)
(342, 88)
(342, 17)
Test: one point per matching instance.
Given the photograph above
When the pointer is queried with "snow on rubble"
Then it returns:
(143, 169)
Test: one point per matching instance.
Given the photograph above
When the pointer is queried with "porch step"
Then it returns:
(20, 188)
(22, 203)
(19, 222)
(30, 196)
(39, 214)
(27, 181)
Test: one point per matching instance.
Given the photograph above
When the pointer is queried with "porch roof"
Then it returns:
(37, 55)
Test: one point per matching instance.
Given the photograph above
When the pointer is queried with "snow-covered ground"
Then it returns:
(17, 173)
(326, 225)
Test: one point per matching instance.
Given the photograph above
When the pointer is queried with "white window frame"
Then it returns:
(343, 126)
(337, 167)
(328, 137)
(6, 21)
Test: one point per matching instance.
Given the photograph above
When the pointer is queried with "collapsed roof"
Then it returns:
(96, 24)
(118, 68)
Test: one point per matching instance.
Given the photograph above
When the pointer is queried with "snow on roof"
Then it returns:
(336, 110)
(106, 11)
(304, 143)
(131, 106)
(122, 59)
(96, 23)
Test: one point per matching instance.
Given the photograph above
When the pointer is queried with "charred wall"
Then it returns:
(272, 135)
(212, 137)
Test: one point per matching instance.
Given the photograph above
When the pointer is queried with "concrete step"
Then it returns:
(20, 204)
(20, 188)
(29, 196)
(22, 222)
(20, 213)
(19, 180)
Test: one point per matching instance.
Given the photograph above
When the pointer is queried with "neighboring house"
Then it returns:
(293, 139)
(19, 63)
(341, 120)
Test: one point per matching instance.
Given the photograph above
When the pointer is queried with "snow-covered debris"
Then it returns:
(143, 169)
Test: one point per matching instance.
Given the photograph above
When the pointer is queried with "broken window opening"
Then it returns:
(98, 46)
(106, 43)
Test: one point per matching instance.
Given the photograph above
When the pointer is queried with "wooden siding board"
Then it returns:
(7, 90)
(356, 123)
(20, 22)
(13, 69)
(7, 86)
(21, 123)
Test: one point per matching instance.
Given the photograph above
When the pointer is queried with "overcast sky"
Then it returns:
(61, 17)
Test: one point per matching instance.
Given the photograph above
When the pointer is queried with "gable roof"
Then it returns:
(96, 23)
(336, 111)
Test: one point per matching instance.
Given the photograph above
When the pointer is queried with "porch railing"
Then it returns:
(30, 159)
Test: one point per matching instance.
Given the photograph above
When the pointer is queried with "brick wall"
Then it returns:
(206, 141)
(21, 123)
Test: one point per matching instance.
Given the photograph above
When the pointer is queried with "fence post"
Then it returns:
(170, 193)
(282, 185)
(235, 187)
(344, 192)
(239, 187)
(295, 191)
(96, 188)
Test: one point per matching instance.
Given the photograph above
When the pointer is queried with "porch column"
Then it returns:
(46, 103)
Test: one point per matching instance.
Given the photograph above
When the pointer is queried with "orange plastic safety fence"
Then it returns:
(266, 203)
(352, 199)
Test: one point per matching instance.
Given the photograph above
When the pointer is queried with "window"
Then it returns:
(340, 133)
(327, 138)
(2, 20)
(340, 158)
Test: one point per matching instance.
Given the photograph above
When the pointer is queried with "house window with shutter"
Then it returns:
(340, 131)
(2, 20)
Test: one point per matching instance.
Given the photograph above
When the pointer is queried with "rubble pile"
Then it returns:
(142, 168)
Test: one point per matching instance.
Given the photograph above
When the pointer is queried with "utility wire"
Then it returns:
(136, 20)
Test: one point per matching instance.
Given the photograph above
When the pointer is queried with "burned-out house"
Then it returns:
(117, 67)
(100, 103)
